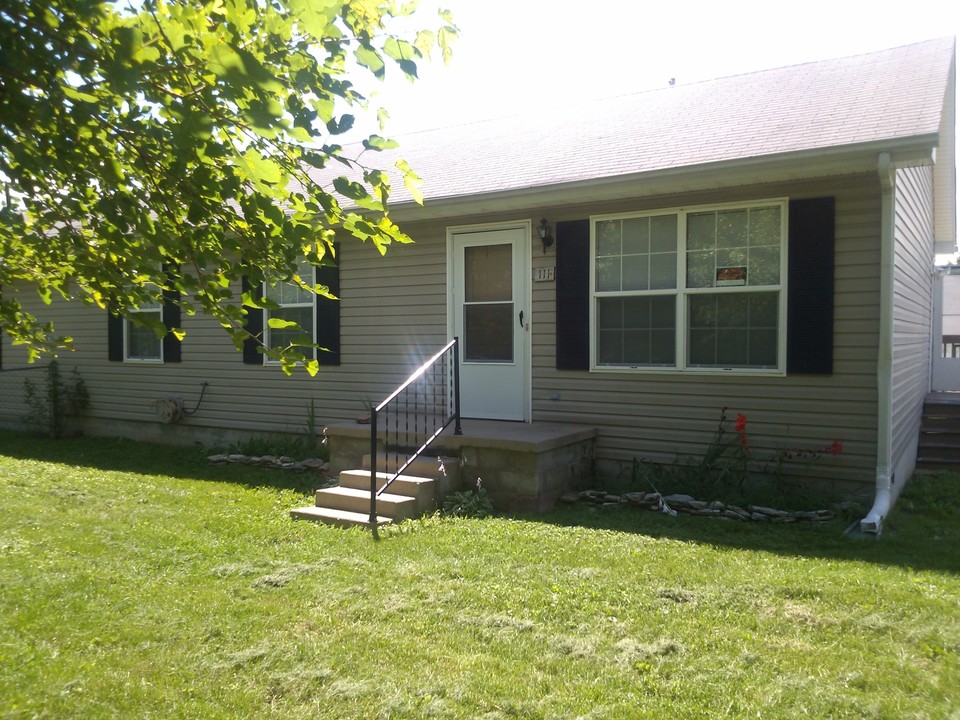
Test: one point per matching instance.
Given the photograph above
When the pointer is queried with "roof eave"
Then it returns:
(781, 167)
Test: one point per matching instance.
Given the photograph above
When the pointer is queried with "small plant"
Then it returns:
(314, 445)
(729, 469)
(54, 403)
(469, 503)
(305, 444)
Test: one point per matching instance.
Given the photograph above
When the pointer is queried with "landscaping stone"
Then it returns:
(680, 503)
(269, 461)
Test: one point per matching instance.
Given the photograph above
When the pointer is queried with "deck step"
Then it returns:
(337, 518)
(939, 447)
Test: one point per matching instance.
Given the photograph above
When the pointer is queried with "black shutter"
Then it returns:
(328, 315)
(573, 295)
(810, 293)
(171, 319)
(254, 326)
(114, 337)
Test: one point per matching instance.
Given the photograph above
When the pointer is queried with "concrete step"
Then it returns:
(426, 465)
(422, 489)
(395, 507)
(337, 518)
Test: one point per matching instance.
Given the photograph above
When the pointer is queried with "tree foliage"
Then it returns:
(174, 145)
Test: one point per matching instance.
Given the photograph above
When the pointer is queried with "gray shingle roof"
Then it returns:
(881, 96)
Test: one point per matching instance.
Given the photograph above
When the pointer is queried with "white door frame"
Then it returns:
(525, 352)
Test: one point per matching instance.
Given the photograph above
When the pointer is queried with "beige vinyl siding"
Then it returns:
(662, 416)
(912, 311)
(393, 319)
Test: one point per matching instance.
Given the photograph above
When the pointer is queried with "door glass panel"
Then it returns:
(488, 331)
(488, 303)
(488, 273)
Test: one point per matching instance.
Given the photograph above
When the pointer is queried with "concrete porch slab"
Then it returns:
(523, 466)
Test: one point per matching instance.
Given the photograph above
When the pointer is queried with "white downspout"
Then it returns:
(873, 522)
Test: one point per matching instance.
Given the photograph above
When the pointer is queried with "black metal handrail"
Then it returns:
(414, 415)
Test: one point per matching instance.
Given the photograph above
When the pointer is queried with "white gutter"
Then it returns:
(873, 522)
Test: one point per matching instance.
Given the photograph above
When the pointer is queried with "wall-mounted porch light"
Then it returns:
(545, 233)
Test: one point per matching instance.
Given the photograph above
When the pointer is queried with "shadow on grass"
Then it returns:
(922, 532)
(131, 456)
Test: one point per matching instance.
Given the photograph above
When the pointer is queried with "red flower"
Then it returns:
(741, 428)
(835, 448)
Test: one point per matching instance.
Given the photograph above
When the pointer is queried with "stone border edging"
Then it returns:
(283, 462)
(677, 503)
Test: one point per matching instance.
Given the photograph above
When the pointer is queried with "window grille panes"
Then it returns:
(733, 330)
(636, 254)
(636, 330)
(296, 305)
(142, 342)
(302, 316)
(739, 247)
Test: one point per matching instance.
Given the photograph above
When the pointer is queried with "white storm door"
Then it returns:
(491, 318)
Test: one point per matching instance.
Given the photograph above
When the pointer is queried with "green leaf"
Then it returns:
(262, 170)
(75, 94)
(370, 59)
(424, 42)
(280, 324)
(315, 16)
(400, 49)
(356, 192)
(409, 68)
(411, 180)
(375, 142)
(338, 127)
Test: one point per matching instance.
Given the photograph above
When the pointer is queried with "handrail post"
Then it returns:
(373, 469)
(456, 386)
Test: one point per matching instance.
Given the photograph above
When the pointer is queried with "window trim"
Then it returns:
(681, 293)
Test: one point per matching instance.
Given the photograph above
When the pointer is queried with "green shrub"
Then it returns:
(469, 503)
(55, 402)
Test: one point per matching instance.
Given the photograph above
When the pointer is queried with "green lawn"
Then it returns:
(137, 581)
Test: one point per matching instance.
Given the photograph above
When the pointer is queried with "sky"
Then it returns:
(514, 54)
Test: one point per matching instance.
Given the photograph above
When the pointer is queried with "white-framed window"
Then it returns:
(695, 289)
(140, 343)
(295, 305)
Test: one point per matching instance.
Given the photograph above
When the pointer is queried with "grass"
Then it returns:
(137, 582)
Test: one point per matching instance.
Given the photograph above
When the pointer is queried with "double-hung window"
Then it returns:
(293, 305)
(690, 289)
(140, 342)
